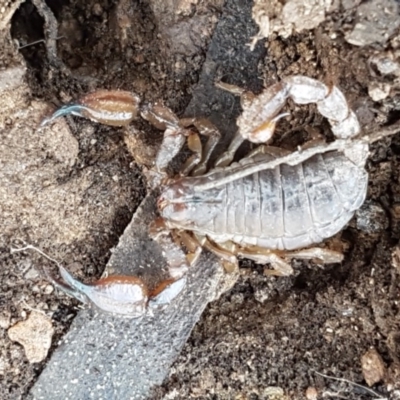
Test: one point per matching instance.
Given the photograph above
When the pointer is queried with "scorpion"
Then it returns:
(271, 206)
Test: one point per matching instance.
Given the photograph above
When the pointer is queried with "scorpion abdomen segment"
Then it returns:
(289, 207)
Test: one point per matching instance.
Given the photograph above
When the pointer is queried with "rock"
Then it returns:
(5, 318)
(34, 334)
(295, 15)
(377, 20)
(385, 63)
(12, 78)
(311, 393)
(378, 91)
(371, 218)
(373, 368)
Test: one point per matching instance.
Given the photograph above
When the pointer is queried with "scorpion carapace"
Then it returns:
(270, 206)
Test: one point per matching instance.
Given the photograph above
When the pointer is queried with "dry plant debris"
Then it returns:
(292, 16)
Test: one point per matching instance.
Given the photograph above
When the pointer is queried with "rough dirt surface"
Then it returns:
(72, 189)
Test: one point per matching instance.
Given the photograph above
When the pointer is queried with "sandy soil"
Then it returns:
(72, 188)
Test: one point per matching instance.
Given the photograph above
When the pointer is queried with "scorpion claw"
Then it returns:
(69, 109)
(166, 291)
(72, 286)
(109, 107)
(64, 285)
(123, 295)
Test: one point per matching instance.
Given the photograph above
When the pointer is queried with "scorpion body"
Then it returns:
(285, 208)
(269, 207)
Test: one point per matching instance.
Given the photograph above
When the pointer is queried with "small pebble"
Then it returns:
(373, 368)
(48, 289)
(34, 334)
(311, 393)
(371, 218)
(31, 274)
(3, 366)
(378, 91)
(5, 317)
(97, 10)
(261, 295)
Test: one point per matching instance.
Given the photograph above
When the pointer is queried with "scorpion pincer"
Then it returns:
(271, 206)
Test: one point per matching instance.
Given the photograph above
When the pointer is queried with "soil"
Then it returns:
(71, 190)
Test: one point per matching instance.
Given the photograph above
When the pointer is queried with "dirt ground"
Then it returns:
(71, 189)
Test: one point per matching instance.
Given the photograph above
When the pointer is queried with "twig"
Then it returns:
(37, 42)
(63, 286)
(51, 33)
(30, 247)
(333, 394)
(372, 392)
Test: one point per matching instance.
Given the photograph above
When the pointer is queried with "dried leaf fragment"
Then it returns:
(373, 368)
(34, 334)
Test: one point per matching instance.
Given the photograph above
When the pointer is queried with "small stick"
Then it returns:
(51, 33)
(352, 383)
(30, 247)
(36, 42)
(57, 283)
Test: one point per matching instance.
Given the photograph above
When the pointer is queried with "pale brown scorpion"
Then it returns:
(269, 207)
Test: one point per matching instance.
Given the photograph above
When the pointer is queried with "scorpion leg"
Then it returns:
(175, 133)
(281, 267)
(164, 118)
(177, 262)
(264, 256)
(225, 251)
(227, 157)
(274, 152)
(192, 244)
(326, 256)
(246, 96)
(195, 244)
(205, 128)
(194, 144)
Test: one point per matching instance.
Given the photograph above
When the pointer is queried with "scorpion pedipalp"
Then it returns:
(108, 107)
(122, 295)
